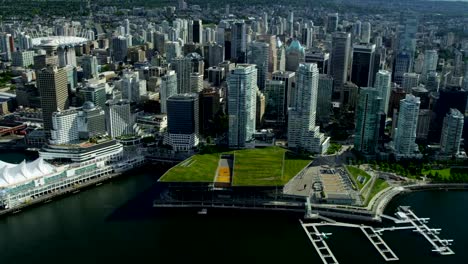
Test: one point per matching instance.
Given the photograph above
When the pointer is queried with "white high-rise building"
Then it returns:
(242, 105)
(410, 80)
(357, 29)
(452, 131)
(132, 87)
(405, 134)
(430, 62)
(173, 50)
(23, 58)
(64, 127)
(383, 84)
(127, 26)
(183, 68)
(168, 89)
(302, 131)
(119, 119)
(365, 32)
(196, 82)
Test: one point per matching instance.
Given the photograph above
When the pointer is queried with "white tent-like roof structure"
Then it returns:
(11, 174)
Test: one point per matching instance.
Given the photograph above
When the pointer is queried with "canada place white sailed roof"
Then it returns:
(11, 174)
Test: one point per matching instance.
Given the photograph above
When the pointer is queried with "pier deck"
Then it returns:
(372, 234)
(439, 245)
(405, 216)
(379, 243)
(320, 245)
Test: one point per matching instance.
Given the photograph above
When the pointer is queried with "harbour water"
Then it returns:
(115, 223)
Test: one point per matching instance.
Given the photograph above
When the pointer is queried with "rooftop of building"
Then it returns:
(58, 41)
(12, 174)
(271, 166)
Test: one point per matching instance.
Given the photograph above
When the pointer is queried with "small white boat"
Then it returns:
(203, 211)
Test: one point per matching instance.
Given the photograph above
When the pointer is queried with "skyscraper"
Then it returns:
(307, 36)
(197, 31)
(168, 89)
(410, 80)
(275, 97)
(324, 98)
(432, 81)
(127, 26)
(403, 62)
(383, 85)
(363, 65)
(238, 41)
(52, 86)
(242, 95)
(120, 47)
(322, 59)
(289, 79)
(295, 54)
(95, 92)
(258, 53)
(23, 58)
(357, 29)
(196, 82)
(173, 50)
(332, 22)
(365, 32)
(91, 121)
(209, 110)
(6, 46)
(215, 54)
(119, 119)
(183, 69)
(451, 97)
(452, 131)
(405, 136)
(272, 51)
(132, 87)
(64, 127)
(341, 48)
(66, 56)
(430, 62)
(90, 66)
(367, 120)
(302, 131)
(182, 122)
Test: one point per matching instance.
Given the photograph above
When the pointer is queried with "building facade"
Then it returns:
(242, 105)
(405, 135)
(452, 131)
(182, 122)
(302, 131)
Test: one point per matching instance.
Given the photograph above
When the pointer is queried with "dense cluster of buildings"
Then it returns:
(183, 82)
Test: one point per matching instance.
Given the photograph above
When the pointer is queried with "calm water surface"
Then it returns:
(115, 223)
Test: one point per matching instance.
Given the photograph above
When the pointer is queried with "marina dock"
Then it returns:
(403, 216)
(319, 244)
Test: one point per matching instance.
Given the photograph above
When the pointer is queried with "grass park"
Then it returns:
(271, 166)
(355, 172)
(378, 186)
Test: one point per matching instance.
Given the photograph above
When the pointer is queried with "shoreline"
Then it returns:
(68, 191)
(368, 214)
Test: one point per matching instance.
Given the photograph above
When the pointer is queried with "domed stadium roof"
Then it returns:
(58, 41)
